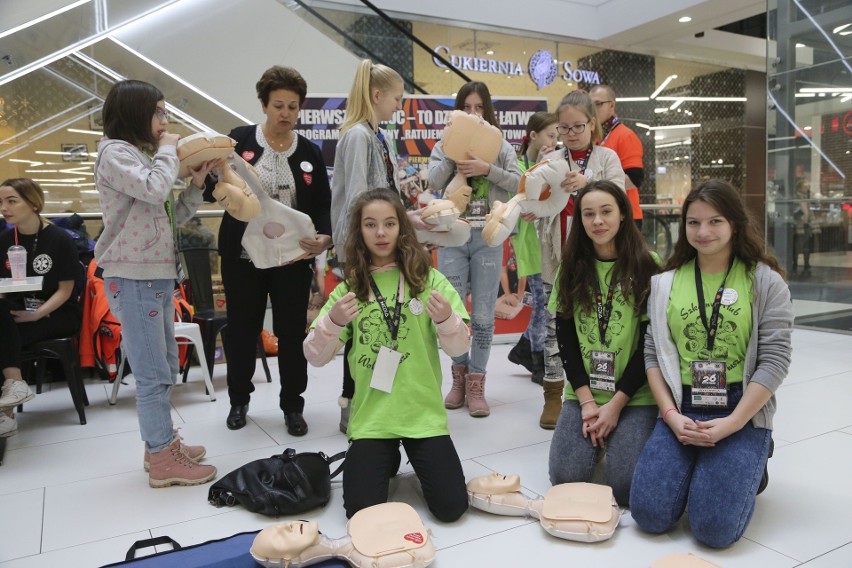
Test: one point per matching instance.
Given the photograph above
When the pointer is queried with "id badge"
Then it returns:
(477, 208)
(709, 383)
(602, 375)
(32, 304)
(384, 371)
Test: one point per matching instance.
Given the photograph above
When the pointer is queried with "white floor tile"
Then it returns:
(813, 408)
(839, 557)
(21, 523)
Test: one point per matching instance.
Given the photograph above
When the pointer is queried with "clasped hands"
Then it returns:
(346, 309)
(706, 434)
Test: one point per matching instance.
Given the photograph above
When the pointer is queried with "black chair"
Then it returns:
(66, 351)
(198, 263)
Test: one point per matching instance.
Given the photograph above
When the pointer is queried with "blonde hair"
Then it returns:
(359, 105)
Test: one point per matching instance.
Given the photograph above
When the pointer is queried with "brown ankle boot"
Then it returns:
(476, 404)
(171, 466)
(455, 398)
(552, 404)
(195, 453)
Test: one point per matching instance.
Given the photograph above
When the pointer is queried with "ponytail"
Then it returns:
(359, 105)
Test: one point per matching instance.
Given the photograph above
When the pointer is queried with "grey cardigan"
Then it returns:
(359, 165)
(768, 352)
(504, 178)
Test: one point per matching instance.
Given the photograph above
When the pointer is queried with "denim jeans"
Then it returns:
(535, 331)
(718, 484)
(573, 459)
(475, 267)
(145, 309)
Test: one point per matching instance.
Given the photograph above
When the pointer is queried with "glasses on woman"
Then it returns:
(575, 129)
(162, 114)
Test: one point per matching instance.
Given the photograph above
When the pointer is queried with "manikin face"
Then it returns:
(13, 207)
(380, 229)
(282, 111)
(387, 102)
(708, 231)
(473, 104)
(160, 120)
(573, 118)
(287, 540)
(601, 220)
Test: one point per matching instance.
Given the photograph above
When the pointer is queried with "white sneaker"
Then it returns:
(8, 425)
(15, 392)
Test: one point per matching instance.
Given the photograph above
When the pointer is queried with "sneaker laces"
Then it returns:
(474, 389)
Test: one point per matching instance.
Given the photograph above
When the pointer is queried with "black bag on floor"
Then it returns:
(285, 484)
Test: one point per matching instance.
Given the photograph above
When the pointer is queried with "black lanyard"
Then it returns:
(604, 310)
(388, 164)
(717, 304)
(581, 162)
(391, 319)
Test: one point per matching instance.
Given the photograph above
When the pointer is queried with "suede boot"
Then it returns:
(537, 367)
(195, 453)
(171, 466)
(520, 354)
(455, 398)
(552, 404)
(475, 387)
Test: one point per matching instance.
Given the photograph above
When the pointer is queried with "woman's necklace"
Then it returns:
(276, 145)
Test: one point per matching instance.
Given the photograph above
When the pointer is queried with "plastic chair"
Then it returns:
(198, 262)
(183, 330)
(66, 351)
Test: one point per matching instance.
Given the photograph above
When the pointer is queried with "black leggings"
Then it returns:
(370, 464)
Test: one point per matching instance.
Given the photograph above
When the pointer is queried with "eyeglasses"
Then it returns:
(162, 115)
(576, 129)
(601, 103)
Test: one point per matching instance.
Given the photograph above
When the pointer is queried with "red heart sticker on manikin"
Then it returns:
(416, 538)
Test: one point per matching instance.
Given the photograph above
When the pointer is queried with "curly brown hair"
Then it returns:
(278, 77)
(411, 257)
(633, 265)
(747, 243)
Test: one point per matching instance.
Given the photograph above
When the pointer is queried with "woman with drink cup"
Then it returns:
(29, 317)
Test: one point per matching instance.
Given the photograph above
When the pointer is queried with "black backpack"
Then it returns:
(284, 484)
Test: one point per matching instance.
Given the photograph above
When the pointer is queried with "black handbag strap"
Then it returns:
(148, 543)
(336, 457)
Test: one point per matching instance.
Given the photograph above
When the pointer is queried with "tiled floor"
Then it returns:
(76, 496)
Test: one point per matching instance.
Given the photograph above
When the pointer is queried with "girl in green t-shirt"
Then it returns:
(396, 310)
(718, 348)
(540, 140)
(600, 295)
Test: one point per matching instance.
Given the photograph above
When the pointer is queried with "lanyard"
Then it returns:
(613, 122)
(581, 162)
(717, 304)
(392, 320)
(604, 310)
(388, 164)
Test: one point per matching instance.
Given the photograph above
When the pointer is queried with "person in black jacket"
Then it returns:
(292, 171)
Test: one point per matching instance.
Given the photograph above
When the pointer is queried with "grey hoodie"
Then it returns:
(137, 241)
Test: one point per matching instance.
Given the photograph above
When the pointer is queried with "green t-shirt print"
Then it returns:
(735, 320)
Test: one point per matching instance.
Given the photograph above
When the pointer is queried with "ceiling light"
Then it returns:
(672, 126)
(676, 104)
(80, 131)
(684, 19)
(826, 90)
(706, 99)
(839, 29)
(658, 110)
(489, 52)
(801, 45)
(662, 86)
(40, 19)
(630, 99)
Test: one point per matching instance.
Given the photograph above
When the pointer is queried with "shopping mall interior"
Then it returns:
(758, 93)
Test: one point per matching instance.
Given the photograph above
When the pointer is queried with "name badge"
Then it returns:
(32, 304)
(384, 371)
(602, 371)
(709, 383)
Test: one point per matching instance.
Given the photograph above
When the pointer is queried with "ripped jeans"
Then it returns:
(475, 267)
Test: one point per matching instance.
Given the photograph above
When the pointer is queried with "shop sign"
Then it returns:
(543, 69)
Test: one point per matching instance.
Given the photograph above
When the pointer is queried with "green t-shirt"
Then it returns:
(414, 408)
(622, 334)
(527, 244)
(735, 323)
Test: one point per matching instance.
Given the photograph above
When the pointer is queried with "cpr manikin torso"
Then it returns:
(390, 535)
(584, 512)
(274, 230)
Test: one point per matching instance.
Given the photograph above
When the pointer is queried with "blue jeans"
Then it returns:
(573, 459)
(717, 484)
(475, 267)
(538, 318)
(146, 311)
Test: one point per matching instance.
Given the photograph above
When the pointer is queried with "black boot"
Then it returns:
(764, 481)
(537, 367)
(521, 354)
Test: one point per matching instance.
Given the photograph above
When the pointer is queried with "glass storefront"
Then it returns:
(809, 193)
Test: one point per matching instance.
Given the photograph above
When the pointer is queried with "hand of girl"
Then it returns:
(544, 151)
(199, 174)
(315, 245)
(169, 139)
(574, 181)
(416, 218)
(589, 413)
(607, 420)
(344, 310)
(473, 167)
(718, 429)
(687, 431)
(438, 307)
(24, 316)
(512, 300)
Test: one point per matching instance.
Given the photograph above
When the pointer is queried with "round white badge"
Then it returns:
(729, 296)
(415, 306)
(307, 167)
